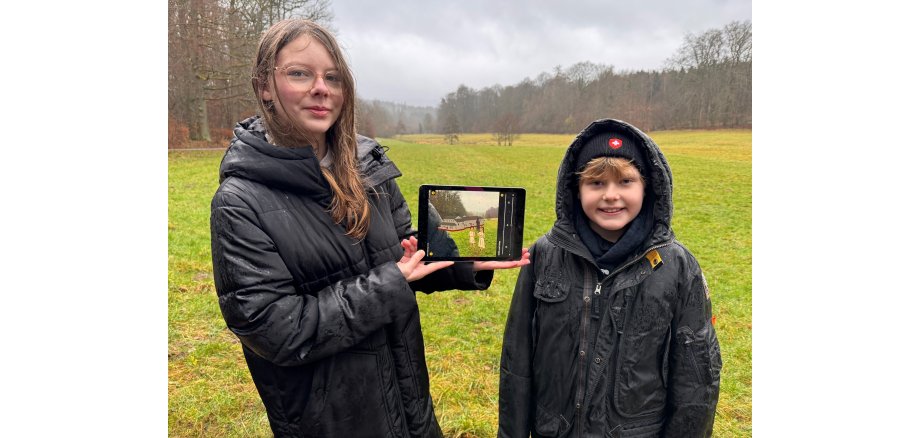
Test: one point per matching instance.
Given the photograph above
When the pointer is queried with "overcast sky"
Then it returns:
(417, 51)
(478, 202)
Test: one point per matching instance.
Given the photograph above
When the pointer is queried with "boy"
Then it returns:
(609, 333)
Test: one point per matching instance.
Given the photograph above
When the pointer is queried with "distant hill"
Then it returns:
(377, 118)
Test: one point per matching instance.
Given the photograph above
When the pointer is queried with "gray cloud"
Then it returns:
(416, 52)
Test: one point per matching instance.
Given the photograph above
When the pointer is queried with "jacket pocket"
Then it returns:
(699, 354)
(556, 318)
(640, 373)
(551, 287)
(645, 431)
(549, 425)
(355, 400)
(665, 360)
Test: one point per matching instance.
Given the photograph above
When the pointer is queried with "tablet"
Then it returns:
(463, 223)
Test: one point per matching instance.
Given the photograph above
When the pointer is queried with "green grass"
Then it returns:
(211, 393)
(490, 235)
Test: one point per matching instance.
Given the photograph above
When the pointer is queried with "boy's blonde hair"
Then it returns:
(602, 166)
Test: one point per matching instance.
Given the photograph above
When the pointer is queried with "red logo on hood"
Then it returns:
(615, 143)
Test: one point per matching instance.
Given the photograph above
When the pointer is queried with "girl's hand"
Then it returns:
(489, 266)
(411, 262)
(410, 246)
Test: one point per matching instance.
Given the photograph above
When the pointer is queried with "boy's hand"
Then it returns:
(489, 266)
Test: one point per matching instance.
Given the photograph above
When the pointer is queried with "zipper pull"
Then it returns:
(595, 307)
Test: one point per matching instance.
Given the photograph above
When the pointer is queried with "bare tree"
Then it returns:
(451, 128)
(699, 50)
(506, 129)
(211, 45)
(714, 72)
(447, 115)
(739, 40)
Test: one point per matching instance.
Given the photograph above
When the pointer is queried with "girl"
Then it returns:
(315, 262)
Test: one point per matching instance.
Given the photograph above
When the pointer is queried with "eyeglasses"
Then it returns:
(302, 78)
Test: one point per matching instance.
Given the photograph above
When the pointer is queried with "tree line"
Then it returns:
(706, 84)
(448, 204)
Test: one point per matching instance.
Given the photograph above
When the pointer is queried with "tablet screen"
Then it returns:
(471, 222)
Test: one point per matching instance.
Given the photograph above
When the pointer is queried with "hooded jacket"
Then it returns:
(629, 354)
(328, 324)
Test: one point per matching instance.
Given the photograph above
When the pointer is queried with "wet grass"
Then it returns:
(211, 393)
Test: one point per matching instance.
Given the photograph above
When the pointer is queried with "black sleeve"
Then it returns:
(695, 362)
(261, 306)
(514, 389)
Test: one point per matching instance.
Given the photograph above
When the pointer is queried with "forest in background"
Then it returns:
(706, 84)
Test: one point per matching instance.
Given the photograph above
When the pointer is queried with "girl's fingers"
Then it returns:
(424, 270)
(417, 257)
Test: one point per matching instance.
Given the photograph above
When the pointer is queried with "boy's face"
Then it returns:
(612, 203)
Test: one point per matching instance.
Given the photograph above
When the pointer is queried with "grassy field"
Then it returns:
(462, 240)
(211, 393)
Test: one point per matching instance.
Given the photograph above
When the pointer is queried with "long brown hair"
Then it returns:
(349, 201)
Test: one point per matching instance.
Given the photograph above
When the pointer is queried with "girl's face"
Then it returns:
(612, 203)
(309, 87)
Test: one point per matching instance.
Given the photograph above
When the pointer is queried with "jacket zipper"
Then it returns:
(583, 345)
(587, 364)
(595, 306)
(631, 262)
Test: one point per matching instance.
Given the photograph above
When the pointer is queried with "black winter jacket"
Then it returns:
(629, 354)
(329, 326)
